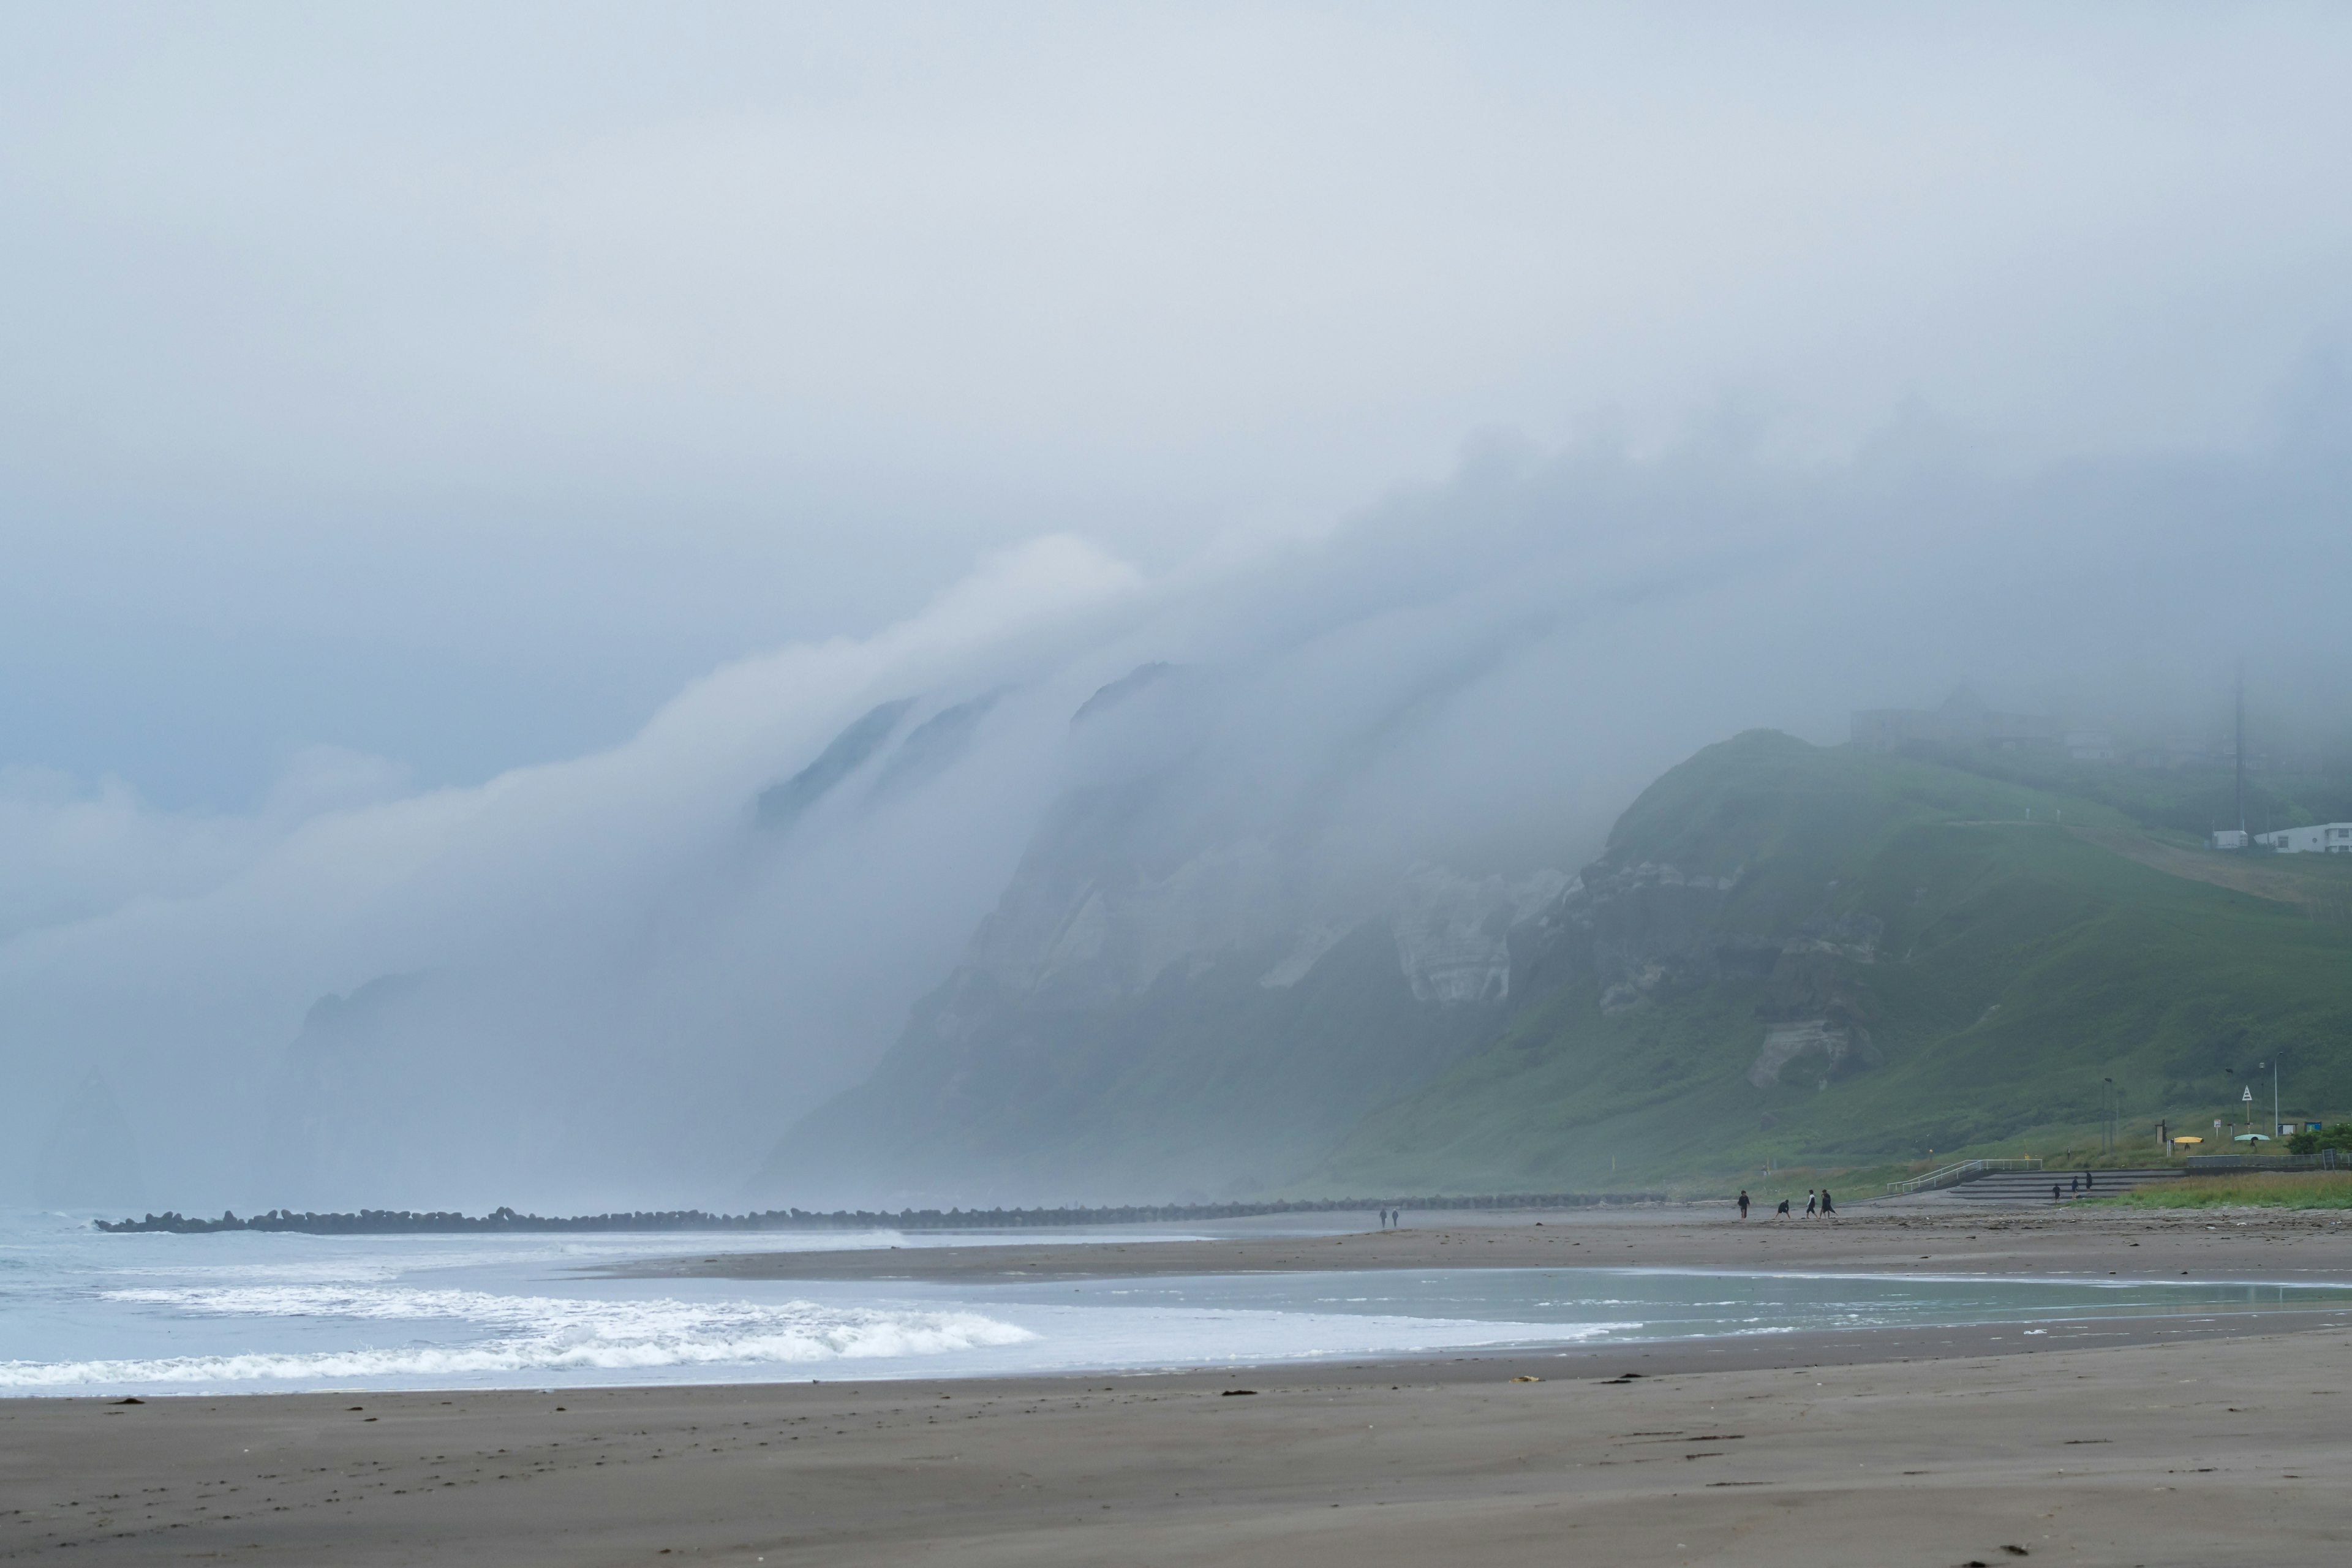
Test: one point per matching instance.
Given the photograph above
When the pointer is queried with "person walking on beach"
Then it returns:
(2086, 1178)
(1828, 1207)
(1784, 1208)
(1743, 1203)
(1812, 1204)
(2056, 1196)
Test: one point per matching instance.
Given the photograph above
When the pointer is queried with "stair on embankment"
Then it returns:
(2023, 1188)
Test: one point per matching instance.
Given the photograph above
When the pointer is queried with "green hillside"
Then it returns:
(1804, 955)
(1206, 1085)
(1945, 961)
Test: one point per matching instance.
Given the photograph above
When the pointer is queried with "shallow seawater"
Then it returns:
(82, 1312)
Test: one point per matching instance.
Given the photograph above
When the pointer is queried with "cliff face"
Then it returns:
(1796, 953)
(1786, 953)
(1648, 934)
(1452, 933)
(335, 1112)
(1091, 920)
(1145, 1016)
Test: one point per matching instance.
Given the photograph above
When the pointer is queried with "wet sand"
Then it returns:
(2146, 1443)
(2219, 1439)
(1928, 1236)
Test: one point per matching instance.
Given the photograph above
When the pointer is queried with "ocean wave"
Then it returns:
(529, 1335)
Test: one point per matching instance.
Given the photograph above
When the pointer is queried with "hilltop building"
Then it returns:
(2326, 838)
(1962, 721)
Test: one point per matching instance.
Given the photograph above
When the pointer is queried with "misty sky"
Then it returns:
(450, 385)
(452, 458)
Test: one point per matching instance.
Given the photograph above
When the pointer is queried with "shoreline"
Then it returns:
(2211, 1435)
(2179, 1439)
(2245, 1247)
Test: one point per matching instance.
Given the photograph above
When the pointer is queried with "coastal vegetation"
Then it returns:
(1787, 955)
(1961, 963)
(2247, 1189)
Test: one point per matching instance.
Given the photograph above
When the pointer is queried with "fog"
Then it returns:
(455, 464)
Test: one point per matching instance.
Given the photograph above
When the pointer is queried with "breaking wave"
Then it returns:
(525, 1334)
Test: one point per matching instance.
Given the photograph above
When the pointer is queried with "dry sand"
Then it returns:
(2215, 1439)
(1940, 1235)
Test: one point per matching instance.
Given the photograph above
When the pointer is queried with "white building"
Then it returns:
(2327, 838)
(2228, 839)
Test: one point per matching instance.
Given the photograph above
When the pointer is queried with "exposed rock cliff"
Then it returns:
(1452, 933)
(1167, 1001)
(1786, 952)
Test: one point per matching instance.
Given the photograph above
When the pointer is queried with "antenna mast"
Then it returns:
(2242, 747)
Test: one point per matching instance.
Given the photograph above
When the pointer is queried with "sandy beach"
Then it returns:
(2202, 1439)
(1938, 1235)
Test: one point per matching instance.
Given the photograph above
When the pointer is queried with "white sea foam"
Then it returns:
(525, 1334)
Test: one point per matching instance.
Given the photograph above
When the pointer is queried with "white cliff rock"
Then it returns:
(1785, 1044)
(1453, 933)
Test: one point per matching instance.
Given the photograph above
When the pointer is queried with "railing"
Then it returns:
(1953, 1175)
(2325, 1160)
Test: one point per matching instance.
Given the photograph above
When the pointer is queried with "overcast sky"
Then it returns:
(453, 459)
(449, 384)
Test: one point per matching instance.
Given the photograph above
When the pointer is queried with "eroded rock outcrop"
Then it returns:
(1453, 933)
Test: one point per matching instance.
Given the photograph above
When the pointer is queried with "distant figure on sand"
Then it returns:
(2086, 1178)
(1827, 1208)
(1784, 1208)
(1812, 1204)
(1743, 1203)
(2055, 1194)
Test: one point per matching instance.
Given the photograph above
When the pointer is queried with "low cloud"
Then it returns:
(609, 982)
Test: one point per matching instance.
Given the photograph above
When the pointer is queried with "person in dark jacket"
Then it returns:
(1743, 1203)
(1827, 1208)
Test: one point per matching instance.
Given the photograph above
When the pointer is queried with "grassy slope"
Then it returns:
(2266, 1190)
(2186, 803)
(2020, 965)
